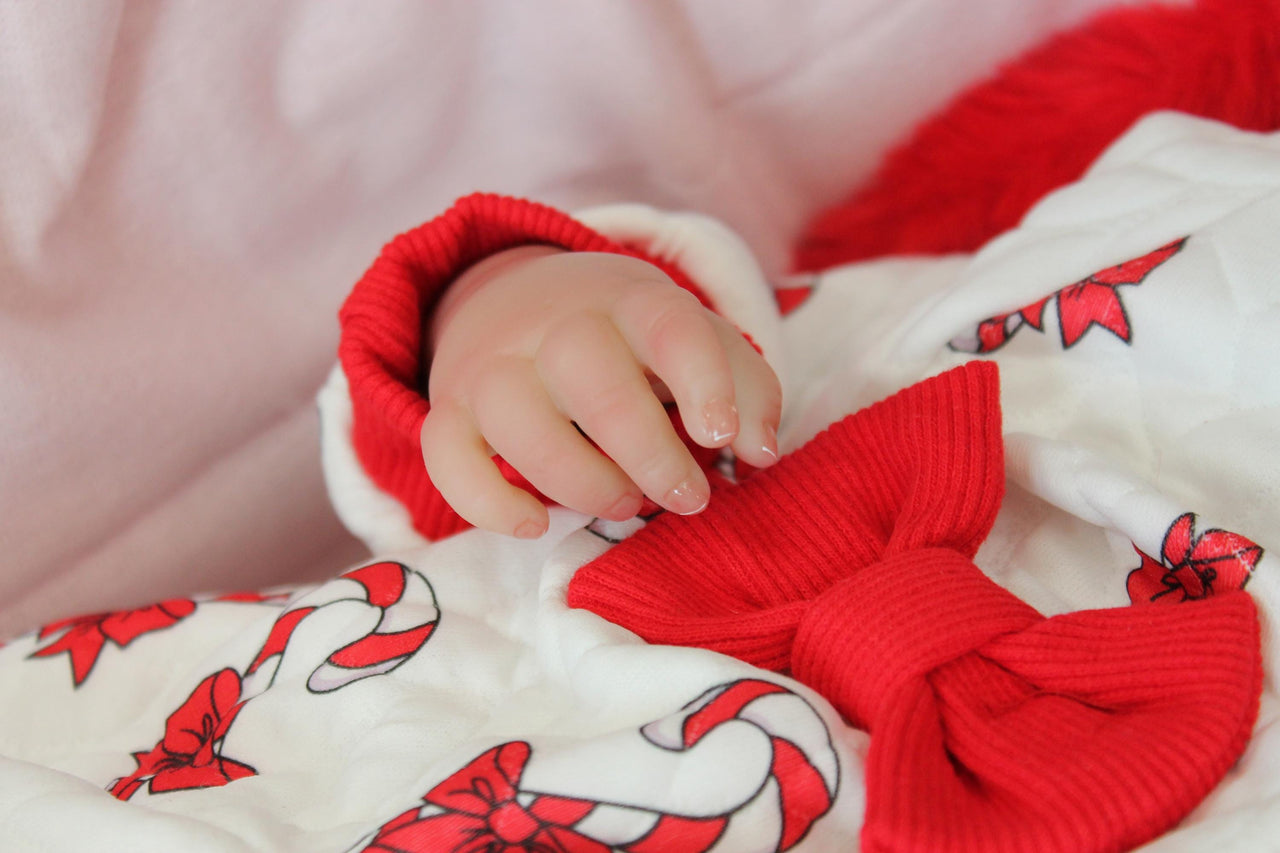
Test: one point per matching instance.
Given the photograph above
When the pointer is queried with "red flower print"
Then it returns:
(1193, 566)
(1093, 301)
(84, 636)
(189, 754)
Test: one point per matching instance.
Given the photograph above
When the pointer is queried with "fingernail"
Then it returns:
(720, 418)
(688, 498)
(530, 529)
(770, 446)
(624, 508)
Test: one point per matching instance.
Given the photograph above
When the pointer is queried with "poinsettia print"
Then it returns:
(1093, 301)
(190, 753)
(481, 809)
(1193, 565)
(83, 637)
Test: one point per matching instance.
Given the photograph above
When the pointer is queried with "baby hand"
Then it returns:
(535, 348)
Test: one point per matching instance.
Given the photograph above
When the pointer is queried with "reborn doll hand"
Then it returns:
(533, 341)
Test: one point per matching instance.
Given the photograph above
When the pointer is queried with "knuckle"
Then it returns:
(578, 477)
(543, 452)
(676, 318)
(617, 402)
(652, 293)
(567, 341)
(492, 381)
(631, 270)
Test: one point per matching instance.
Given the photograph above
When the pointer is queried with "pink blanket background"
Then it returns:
(187, 191)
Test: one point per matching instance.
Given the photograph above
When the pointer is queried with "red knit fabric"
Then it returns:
(849, 564)
(975, 168)
(382, 322)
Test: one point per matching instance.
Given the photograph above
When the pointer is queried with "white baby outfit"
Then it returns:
(1135, 319)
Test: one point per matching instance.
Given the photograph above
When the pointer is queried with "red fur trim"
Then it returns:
(973, 171)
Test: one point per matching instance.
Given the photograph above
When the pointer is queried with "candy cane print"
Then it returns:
(804, 774)
(491, 803)
(772, 807)
(409, 614)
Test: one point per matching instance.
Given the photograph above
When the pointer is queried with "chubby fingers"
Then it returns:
(521, 422)
(592, 376)
(670, 332)
(458, 460)
(758, 394)
(725, 390)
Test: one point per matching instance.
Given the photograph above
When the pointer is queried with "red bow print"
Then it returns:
(1093, 301)
(478, 810)
(189, 755)
(1194, 566)
(849, 564)
(85, 636)
(995, 332)
(482, 807)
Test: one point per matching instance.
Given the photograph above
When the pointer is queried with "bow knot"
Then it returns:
(859, 642)
(849, 565)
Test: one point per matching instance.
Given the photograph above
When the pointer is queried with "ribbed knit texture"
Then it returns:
(973, 169)
(382, 322)
(849, 564)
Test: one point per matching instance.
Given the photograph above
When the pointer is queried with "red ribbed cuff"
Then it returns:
(382, 322)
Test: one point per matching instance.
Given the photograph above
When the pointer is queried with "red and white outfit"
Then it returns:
(446, 696)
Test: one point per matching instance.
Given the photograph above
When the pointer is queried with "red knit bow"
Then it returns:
(849, 564)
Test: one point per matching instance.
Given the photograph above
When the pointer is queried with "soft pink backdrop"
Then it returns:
(188, 189)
